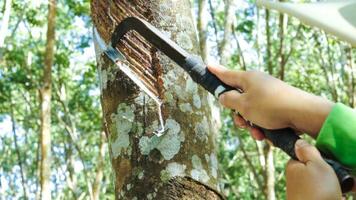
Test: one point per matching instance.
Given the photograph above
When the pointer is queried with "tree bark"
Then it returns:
(5, 22)
(45, 94)
(182, 163)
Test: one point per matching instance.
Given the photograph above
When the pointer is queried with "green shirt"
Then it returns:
(338, 135)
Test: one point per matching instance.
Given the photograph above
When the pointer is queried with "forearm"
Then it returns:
(309, 112)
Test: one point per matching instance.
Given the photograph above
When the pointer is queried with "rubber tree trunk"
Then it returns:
(45, 95)
(182, 163)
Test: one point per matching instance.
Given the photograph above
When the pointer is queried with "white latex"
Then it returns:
(335, 17)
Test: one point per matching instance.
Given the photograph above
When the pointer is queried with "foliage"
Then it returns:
(76, 114)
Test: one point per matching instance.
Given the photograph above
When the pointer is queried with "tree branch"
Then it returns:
(17, 147)
(212, 13)
(70, 129)
(249, 163)
(269, 46)
(240, 53)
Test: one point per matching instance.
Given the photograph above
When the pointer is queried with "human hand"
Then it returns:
(311, 177)
(271, 103)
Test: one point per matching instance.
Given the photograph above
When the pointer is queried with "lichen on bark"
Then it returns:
(168, 144)
(123, 121)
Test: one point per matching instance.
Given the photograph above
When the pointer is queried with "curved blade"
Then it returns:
(120, 61)
(102, 47)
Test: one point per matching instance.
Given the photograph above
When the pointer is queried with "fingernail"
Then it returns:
(221, 98)
(301, 143)
(243, 126)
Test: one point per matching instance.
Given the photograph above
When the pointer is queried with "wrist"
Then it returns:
(309, 113)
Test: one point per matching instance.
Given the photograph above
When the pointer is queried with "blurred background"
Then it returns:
(233, 32)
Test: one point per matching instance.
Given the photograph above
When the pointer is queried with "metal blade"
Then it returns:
(112, 53)
(153, 36)
(100, 45)
(120, 61)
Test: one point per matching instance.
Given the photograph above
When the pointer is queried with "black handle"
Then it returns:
(284, 139)
(201, 75)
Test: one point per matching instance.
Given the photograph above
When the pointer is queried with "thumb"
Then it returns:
(306, 152)
(229, 77)
(230, 99)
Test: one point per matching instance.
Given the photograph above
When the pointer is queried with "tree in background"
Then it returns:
(5, 22)
(45, 95)
(76, 165)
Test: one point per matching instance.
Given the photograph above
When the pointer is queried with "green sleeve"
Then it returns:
(338, 135)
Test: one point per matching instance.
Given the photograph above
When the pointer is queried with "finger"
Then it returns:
(306, 152)
(256, 133)
(230, 99)
(294, 165)
(229, 77)
(240, 122)
(293, 169)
